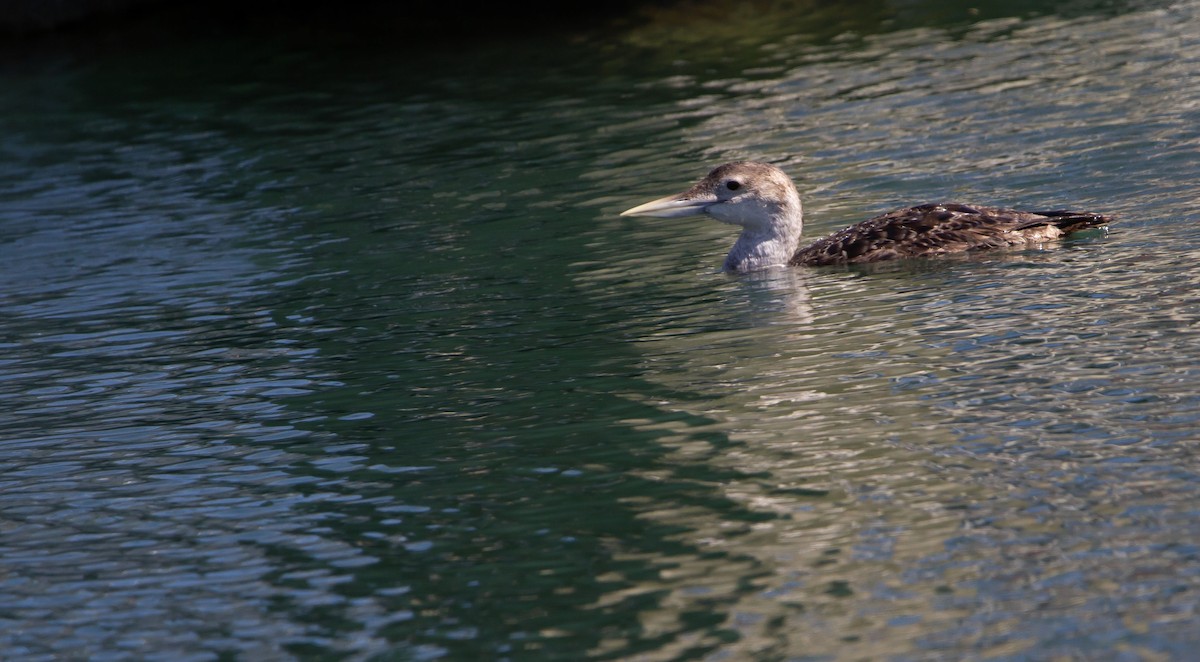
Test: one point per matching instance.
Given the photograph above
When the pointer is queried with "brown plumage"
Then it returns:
(937, 229)
(763, 200)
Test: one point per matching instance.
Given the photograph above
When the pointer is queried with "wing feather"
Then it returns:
(935, 229)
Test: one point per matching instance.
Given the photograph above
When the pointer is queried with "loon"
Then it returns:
(762, 199)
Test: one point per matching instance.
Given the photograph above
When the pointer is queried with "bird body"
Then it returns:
(762, 199)
(937, 229)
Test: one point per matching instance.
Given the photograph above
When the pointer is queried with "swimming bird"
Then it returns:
(762, 199)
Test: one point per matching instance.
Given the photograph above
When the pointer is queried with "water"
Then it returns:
(318, 346)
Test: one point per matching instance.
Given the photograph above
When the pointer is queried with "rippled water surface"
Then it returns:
(329, 346)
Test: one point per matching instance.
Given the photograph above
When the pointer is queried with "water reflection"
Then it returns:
(383, 372)
(970, 421)
(955, 389)
(146, 439)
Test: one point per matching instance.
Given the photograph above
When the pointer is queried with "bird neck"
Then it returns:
(760, 248)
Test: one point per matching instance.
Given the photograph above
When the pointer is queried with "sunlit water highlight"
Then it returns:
(370, 366)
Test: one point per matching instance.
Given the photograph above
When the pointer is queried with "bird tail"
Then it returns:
(1073, 221)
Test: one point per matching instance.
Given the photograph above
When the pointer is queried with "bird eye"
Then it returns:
(733, 185)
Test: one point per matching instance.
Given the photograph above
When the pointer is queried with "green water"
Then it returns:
(331, 344)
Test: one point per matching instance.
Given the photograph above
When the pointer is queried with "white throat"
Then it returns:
(761, 248)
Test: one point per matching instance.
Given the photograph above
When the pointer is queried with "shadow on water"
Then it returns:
(473, 469)
(499, 453)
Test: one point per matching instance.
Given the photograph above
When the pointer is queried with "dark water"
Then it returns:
(318, 347)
